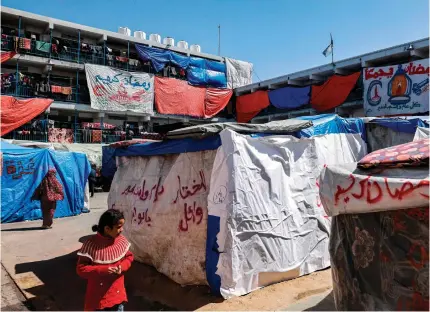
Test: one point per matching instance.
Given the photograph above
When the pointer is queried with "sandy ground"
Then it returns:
(43, 265)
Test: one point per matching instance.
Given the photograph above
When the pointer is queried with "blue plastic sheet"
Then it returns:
(290, 97)
(212, 254)
(203, 72)
(171, 147)
(25, 168)
(200, 72)
(401, 125)
(108, 162)
(160, 57)
(331, 123)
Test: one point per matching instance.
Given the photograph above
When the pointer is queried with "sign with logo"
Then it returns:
(117, 90)
(396, 90)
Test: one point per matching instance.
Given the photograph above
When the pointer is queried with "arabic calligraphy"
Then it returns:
(126, 81)
(190, 213)
(372, 192)
(185, 192)
(18, 169)
(141, 217)
(407, 106)
(411, 69)
(143, 193)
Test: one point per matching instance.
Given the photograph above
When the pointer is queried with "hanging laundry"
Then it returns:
(122, 59)
(333, 92)
(58, 135)
(54, 48)
(56, 89)
(66, 90)
(43, 46)
(97, 136)
(290, 97)
(25, 43)
(249, 105)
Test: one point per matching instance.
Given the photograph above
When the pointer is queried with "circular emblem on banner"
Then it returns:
(373, 97)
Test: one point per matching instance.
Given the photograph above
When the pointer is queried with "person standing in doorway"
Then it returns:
(49, 192)
(92, 179)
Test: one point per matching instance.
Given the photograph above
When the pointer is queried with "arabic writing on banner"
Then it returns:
(117, 90)
(397, 89)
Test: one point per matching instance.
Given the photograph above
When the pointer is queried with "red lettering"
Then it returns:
(421, 252)
(185, 192)
(190, 213)
(341, 190)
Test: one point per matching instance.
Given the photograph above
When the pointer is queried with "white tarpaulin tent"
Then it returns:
(239, 73)
(232, 211)
(421, 133)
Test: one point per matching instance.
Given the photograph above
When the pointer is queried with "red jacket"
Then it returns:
(104, 290)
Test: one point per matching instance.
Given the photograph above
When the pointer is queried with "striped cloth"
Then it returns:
(104, 250)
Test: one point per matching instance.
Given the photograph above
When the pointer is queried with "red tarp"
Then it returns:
(177, 97)
(333, 92)
(249, 105)
(6, 55)
(15, 113)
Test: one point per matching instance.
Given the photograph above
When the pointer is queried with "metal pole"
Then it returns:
(46, 127)
(104, 52)
(79, 44)
(19, 28)
(17, 77)
(50, 43)
(128, 53)
(101, 127)
(76, 111)
(219, 40)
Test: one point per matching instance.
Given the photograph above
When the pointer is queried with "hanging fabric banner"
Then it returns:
(7, 55)
(160, 57)
(397, 89)
(15, 113)
(117, 90)
(177, 97)
(333, 92)
(289, 97)
(249, 105)
(239, 73)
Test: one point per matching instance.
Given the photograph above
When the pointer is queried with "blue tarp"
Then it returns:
(108, 162)
(171, 147)
(203, 72)
(200, 72)
(160, 57)
(332, 123)
(290, 97)
(401, 125)
(24, 169)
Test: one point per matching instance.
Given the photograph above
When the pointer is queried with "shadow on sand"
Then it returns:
(327, 304)
(147, 289)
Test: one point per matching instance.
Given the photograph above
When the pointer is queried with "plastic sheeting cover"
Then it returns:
(25, 168)
(164, 199)
(239, 73)
(379, 137)
(421, 133)
(265, 197)
(331, 123)
(202, 72)
(273, 127)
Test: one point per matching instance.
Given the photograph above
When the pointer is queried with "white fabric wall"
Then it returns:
(238, 73)
(265, 191)
(421, 133)
(167, 231)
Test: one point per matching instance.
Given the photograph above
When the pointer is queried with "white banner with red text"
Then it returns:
(396, 90)
(344, 189)
(164, 200)
(117, 90)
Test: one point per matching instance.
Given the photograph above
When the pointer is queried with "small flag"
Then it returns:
(329, 49)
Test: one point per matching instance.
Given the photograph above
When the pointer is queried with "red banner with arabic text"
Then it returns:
(177, 97)
(15, 112)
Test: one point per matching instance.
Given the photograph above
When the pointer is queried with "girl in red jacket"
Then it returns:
(103, 259)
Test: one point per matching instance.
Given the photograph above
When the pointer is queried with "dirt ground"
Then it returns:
(43, 263)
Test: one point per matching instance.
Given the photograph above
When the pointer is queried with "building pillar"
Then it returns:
(128, 54)
(104, 52)
(50, 43)
(17, 77)
(79, 44)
